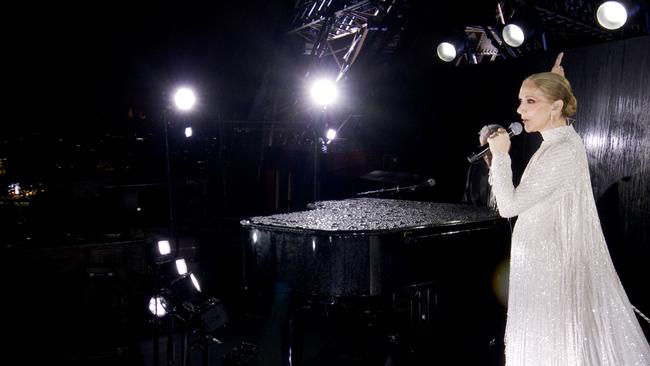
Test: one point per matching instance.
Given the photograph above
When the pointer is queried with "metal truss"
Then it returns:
(337, 29)
(565, 24)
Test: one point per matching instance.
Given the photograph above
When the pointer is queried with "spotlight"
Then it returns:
(513, 35)
(158, 306)
(331, 134)
(188, 132)
(611, 15)
(164, 251)
(181, 266)
(522, 28)
(446, 51)
(451, 46)
(184, 99)
(323, 92)
(164, 247)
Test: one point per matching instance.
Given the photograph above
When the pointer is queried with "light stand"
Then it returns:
(172, 231)
(316, 165)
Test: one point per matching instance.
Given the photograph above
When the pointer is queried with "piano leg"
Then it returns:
(292, 352)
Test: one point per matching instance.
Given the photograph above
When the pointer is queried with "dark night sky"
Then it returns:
(86, 66)
(81, 66)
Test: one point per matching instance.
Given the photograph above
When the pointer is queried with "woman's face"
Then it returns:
(535, 108)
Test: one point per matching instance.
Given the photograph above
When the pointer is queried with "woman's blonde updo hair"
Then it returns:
(556, 87)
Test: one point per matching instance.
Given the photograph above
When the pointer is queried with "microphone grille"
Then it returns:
(516, 128)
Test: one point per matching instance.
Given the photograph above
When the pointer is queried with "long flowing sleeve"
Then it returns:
(548, 173)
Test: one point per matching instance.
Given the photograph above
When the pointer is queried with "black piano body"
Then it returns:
(383, 248)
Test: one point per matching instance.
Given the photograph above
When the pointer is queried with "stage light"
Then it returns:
(158, 306)
(188, 132)
(164, 247)
(513, 35)
(195, 282)
(611, 15)
(181, 266)
(184, 99)
(184, 289)
(446, 51)
(323, 92)
(452, 45)
(164, 251)
(524, 26)
(330, 134)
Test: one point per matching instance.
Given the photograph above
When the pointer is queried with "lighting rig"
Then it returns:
(523, 27)
(177, 299)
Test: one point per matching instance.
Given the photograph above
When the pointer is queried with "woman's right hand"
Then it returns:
(557, 68)
(499, 141)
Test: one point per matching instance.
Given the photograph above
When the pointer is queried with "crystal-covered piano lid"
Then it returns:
(356, 247)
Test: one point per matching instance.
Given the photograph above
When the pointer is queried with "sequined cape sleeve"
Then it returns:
(548, 174)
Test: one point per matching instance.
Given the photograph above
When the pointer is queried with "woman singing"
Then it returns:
(566, 304)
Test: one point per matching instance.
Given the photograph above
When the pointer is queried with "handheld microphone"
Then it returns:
(514, 129)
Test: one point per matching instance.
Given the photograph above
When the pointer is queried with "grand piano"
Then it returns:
(437, 257)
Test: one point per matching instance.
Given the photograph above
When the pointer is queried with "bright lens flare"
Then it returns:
(324, 92)
(184, 99)
(500, 281)
(611, 15)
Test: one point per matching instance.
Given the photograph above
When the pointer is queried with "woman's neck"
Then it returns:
(560, 122)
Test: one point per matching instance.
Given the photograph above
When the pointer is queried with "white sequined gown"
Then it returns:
(566, 305)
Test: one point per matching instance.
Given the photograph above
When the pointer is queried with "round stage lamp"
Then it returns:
(611, 15)
(184, 99)
(158, 306)
(513, 35)
(446, 51)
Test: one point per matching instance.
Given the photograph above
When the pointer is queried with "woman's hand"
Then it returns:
(557, 68)
(499, 141)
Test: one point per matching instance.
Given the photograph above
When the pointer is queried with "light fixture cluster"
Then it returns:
(177, 287)
(523, 25)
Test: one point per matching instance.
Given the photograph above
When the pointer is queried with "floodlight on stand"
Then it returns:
(184, 99)
(611, 15)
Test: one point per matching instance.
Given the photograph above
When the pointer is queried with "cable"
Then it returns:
(641, 314)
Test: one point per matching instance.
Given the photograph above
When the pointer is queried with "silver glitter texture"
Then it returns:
(566, 305)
